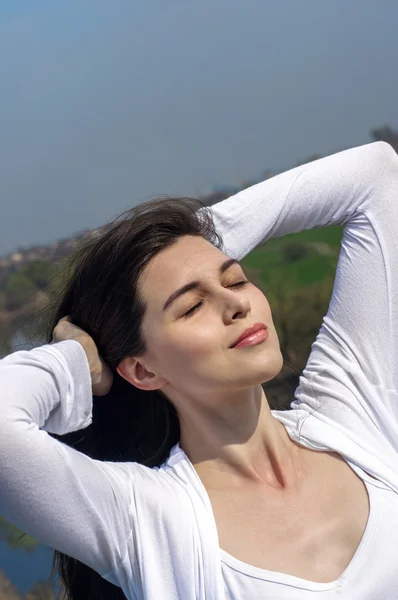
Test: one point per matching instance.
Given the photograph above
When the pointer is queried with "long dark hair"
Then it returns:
(101, 295)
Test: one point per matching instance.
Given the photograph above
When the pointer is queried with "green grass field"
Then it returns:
(272, 262)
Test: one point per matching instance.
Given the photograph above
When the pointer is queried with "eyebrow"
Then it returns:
(195, 284)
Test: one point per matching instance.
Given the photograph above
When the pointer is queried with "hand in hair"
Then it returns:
(101, 374)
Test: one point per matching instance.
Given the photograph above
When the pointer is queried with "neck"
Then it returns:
(238, 441)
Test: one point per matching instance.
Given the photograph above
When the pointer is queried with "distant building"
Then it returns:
(64, 247)
(16, 257)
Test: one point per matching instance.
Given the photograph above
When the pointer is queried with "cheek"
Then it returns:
(183, 346)
(192, 340)
(259, 302)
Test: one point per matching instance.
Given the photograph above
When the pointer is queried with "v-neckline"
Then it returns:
(299, 582)
(285, 578)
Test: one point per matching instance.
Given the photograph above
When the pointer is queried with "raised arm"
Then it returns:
(60, 496)
(357, 188)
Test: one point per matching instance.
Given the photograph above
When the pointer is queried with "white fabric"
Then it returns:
(152, 531)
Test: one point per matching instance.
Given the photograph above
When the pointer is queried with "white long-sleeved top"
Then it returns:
(152, 531)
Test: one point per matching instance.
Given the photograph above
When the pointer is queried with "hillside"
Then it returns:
(294, 271)
(61, 248)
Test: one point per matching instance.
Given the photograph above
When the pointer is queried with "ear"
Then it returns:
(136, 373)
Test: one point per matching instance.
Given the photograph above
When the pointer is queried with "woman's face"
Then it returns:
(198, 302)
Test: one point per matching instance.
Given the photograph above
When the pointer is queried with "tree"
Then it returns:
(386, 134)
(40, 591)
(294, 251)
(298, 316)
(39, 272)
(3, 301)
(5, 341)
(15, 537)
(43, 590)
(7, 590)
(19, 290)
(309, 159)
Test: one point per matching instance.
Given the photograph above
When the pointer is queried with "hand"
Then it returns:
(101, 375)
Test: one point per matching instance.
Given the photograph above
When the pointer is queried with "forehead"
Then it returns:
(190, 258)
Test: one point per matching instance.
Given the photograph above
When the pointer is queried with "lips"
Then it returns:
(249, 331)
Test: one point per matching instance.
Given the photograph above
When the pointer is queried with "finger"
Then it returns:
(59, 328)
(67, 318)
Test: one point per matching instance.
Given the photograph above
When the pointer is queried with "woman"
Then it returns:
(185, 484)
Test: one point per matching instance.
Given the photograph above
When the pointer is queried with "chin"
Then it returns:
(269, 369)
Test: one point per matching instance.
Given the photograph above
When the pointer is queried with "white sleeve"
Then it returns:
(357, 188)
(60, 496)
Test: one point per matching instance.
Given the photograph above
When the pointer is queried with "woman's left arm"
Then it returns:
(357, 188)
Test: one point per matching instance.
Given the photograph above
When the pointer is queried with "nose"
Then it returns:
(236, 306)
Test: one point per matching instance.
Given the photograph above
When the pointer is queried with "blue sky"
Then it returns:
(104, 105)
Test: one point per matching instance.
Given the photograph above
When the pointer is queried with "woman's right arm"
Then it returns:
(58, 495)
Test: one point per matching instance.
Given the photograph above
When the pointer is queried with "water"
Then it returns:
(20, 341)
(25, 569)
(22, 568)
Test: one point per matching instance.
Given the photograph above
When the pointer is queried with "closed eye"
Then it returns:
(199, 304)
(238, 284)
(193, 309)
